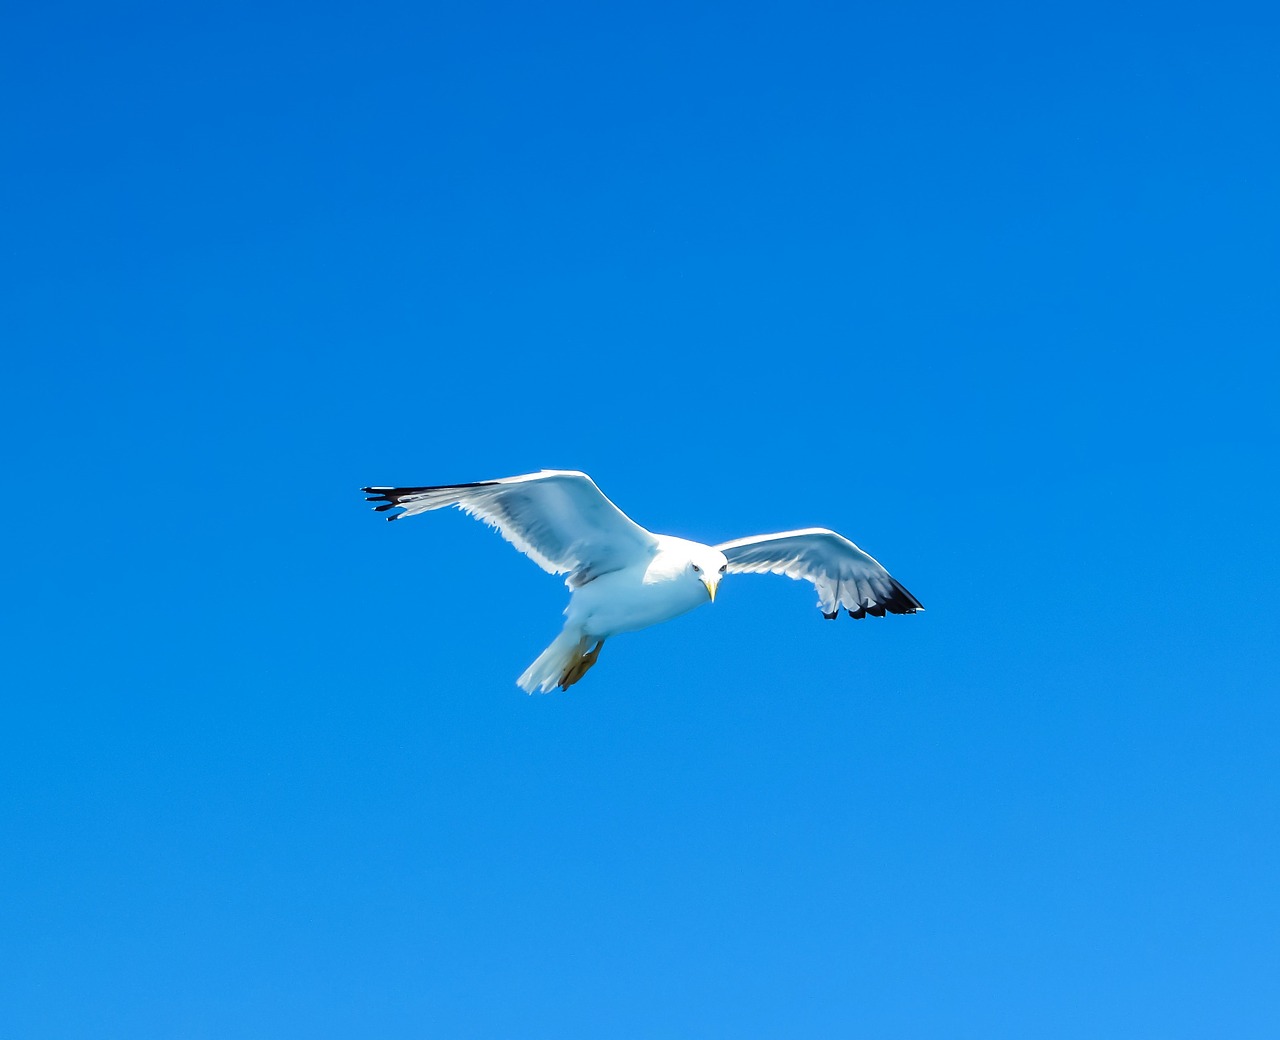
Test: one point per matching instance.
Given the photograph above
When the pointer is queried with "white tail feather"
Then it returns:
(554, 663)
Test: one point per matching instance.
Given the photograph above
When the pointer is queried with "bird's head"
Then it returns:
(708, 566)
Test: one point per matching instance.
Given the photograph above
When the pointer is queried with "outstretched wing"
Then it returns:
(843, 574)
(558, 518)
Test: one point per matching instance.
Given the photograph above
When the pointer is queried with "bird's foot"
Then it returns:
(580, 667)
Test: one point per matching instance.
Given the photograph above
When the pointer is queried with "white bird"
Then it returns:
(624, 578)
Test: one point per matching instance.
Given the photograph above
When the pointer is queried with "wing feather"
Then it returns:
(843, 574)
(558, 518)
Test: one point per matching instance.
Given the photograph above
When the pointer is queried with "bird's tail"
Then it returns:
(561, 664)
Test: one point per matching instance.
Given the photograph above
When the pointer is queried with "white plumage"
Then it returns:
(624, 578)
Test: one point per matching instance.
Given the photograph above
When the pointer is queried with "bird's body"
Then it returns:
(645, 593)
(624, 578)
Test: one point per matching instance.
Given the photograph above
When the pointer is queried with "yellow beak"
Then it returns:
(711, 588)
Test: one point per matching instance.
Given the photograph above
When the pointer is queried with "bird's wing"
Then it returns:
(558, 518)
(843, 574)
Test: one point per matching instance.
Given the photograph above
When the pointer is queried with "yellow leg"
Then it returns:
(580, 667)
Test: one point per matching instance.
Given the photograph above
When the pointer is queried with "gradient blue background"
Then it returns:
(992, 290)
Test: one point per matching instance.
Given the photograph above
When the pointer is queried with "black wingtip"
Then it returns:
(902, 602)
(383, 497)
(832, 616)
(392, 497)
(897, 601)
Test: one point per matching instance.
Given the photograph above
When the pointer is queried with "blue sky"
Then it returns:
(991, 290)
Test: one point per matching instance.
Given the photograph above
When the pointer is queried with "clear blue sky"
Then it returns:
(991, 289)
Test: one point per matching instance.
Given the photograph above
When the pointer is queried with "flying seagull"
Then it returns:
(624, 578)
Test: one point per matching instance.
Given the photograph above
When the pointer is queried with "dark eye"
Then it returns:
(696, 569)
(724, 568)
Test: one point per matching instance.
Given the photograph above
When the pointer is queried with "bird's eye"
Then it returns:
(696, 568)
(724, 568)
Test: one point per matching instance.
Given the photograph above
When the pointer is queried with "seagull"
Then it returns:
(623, 578)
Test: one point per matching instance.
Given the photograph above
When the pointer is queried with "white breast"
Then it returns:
(637, 597)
